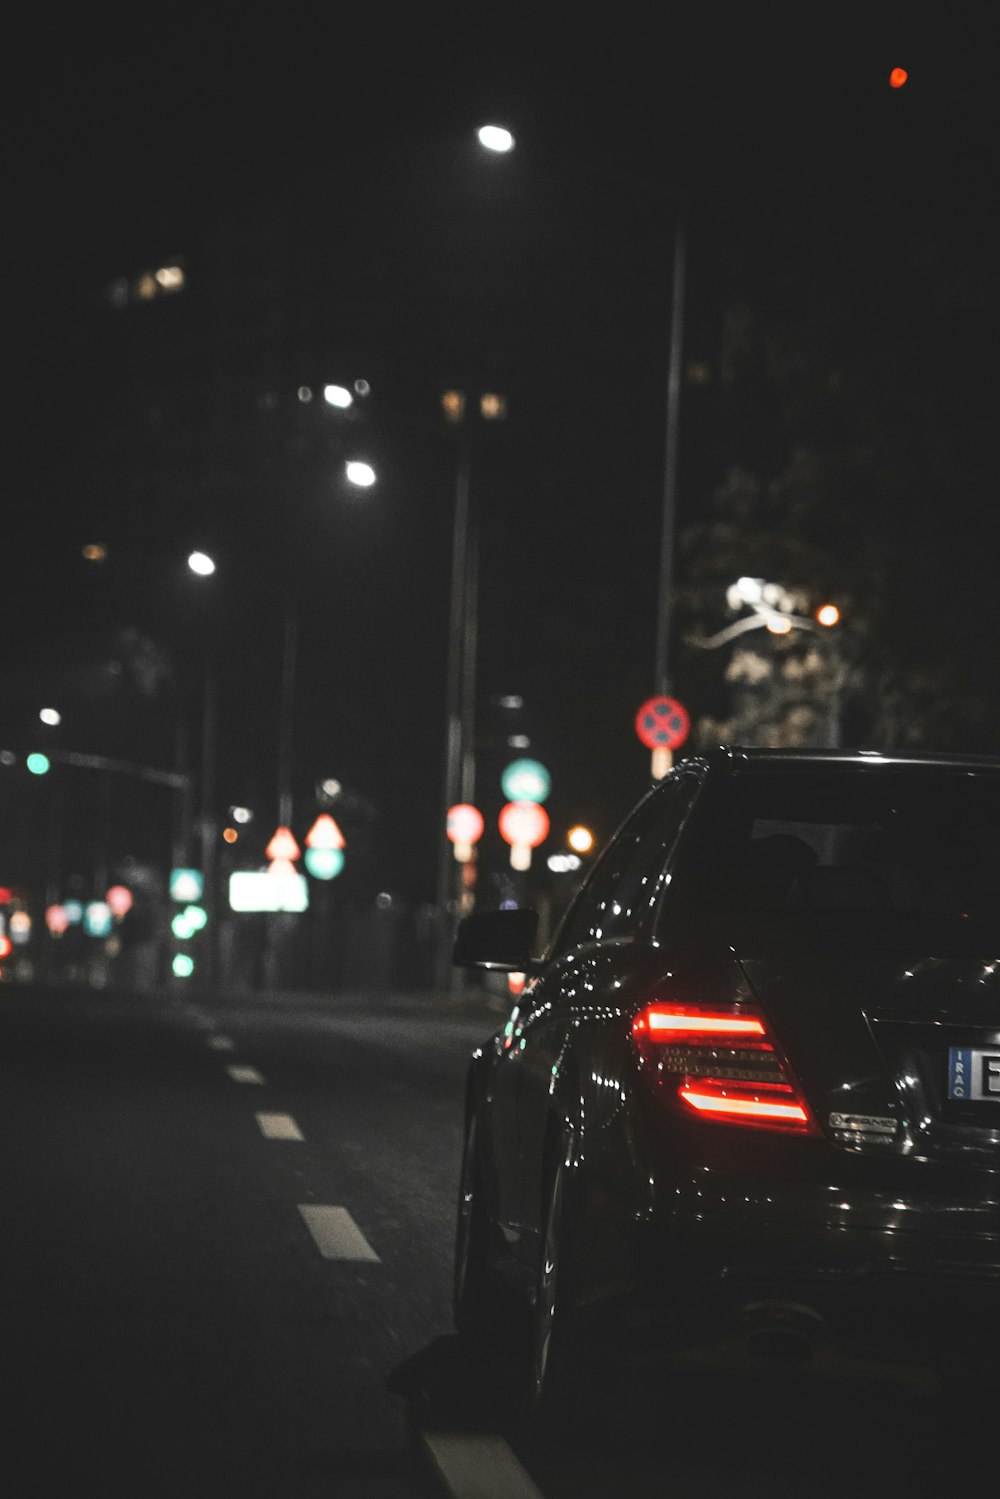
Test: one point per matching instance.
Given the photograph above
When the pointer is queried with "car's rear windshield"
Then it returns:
(883, 856)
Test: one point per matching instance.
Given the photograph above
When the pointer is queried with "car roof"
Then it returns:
(748, 759)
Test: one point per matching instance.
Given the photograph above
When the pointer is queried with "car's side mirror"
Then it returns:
(496, 939)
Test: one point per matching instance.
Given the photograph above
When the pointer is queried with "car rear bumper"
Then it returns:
(771, 1292)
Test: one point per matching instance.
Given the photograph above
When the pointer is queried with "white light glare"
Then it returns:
(495, 138)
(202, 564)
(361, 474)
(338, 395)
(50, 715)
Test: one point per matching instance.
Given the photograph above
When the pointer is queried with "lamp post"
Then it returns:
(203, 566)
(460, 688)
(361, 475)
(463, 623)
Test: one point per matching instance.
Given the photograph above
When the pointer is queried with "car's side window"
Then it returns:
(621, 890)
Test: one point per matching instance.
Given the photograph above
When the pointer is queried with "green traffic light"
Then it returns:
(38, 764)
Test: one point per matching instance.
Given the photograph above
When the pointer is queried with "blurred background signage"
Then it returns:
(324, 863)
(186, 884)
(262, 890)
(662, 724)
(523, 825)
(464, 827)
(526, 781)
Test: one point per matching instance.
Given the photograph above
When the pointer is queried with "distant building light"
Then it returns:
(453, 405)
(518, 741)
(50, 715)
(563, 863)
(241, 814)
(95, 551)
(170, 278)
(118, 293)
(305, 394)
(492, 407)
(331, 787)
(144, 287)
(338, 395)
(362, 388)
(778, 624)
(202, 564)
(510, 701)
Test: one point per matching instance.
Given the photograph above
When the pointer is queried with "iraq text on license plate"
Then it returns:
(974, 1073)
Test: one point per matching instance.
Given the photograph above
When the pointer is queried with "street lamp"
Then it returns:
(362, 475)
(775, 609)
(495, 138)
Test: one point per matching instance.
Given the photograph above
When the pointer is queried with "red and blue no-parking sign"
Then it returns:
(662, 723)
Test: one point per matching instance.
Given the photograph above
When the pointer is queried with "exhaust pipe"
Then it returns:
(780, 1332)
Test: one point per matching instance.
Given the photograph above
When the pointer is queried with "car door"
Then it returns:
(557, 1029)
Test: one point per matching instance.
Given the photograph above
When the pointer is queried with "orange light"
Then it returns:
(580, 839)
(6, 947)
(898, 77)
(230, 835)
(828, 614)
(746, 1108)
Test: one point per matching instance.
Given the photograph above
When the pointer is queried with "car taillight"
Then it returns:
(722, 1064)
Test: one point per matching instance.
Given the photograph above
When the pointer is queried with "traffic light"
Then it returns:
(38, 764)
(897, 77)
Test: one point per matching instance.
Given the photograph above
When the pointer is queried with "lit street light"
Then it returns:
(495, 138)
(360, 474)
(774, 609)
(202, 564)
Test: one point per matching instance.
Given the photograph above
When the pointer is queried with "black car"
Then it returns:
(748, 1102)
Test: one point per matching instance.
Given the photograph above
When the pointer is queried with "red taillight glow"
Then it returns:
(720, 1063)
(678, 1022)
(745, 1108)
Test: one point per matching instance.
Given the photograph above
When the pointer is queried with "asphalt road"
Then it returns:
(222, 1230)
(226, 1253)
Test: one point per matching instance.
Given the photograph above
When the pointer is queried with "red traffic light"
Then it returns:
(898, 77)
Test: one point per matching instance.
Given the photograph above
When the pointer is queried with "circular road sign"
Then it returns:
(524, 823)
(465, 823)
(662, 723)
(526, 781)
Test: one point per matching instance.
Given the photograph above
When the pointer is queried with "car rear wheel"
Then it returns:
(477, 1302)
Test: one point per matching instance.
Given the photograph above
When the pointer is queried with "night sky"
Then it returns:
(813, 192)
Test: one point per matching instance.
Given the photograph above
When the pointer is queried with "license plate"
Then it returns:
(974, 1073)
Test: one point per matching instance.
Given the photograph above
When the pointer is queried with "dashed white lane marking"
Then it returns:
(243, 1074)
(336, 1234)
(478, 1467)
(279, 1127)
(222, 1043)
